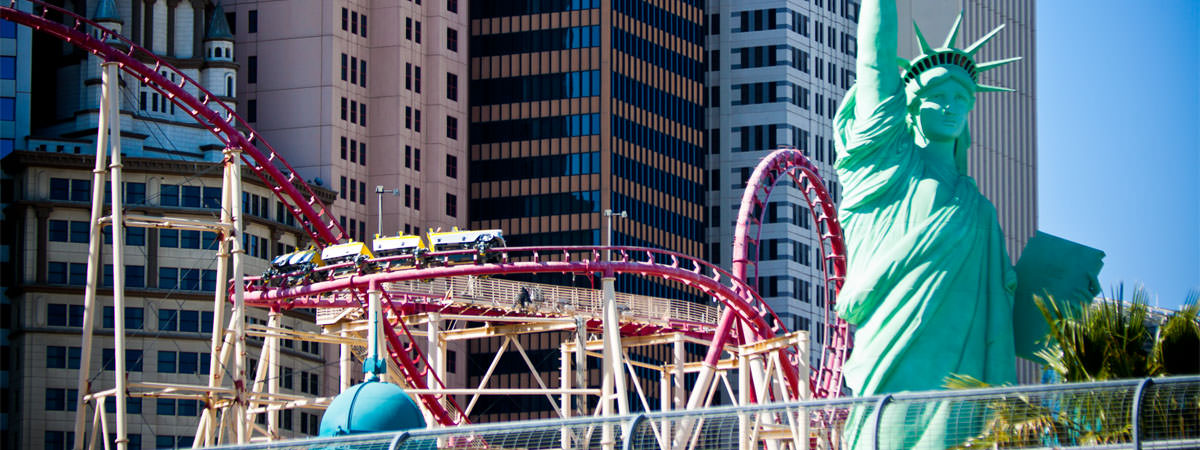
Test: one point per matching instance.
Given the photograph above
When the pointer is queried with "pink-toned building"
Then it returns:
(360, 94)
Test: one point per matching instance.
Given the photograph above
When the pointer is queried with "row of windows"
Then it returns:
(184, 362)
(355, 68)
(354, 22)
(535, 205)
(75, 190)
(534, 88)
(797, 252)
(256, 205)
(650, 138)
(536, 128)
(655, 178)
(412, 118)
(484, 9)
(412, 77)
(655, 100)
(536, 41)
(184, 320)
(830, 71)
(357, 151)
(655, 54)
(770, 92)
(576, 237)
(356, 229)
(354, 111)
(658, 217)
(189, 196)
(769, 137)
(357, 190)
(800, 290)
(770, 55)
(409, 31)
(536, 167)
(659, 18)
(75, 274)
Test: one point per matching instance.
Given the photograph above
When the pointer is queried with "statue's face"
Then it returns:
(943, 110)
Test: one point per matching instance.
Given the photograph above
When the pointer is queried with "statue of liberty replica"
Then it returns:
(929, 284)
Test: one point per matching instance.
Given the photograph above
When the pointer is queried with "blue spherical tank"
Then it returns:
(371, 407)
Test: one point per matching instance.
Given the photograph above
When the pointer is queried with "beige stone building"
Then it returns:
(359, 94)
(171, 277)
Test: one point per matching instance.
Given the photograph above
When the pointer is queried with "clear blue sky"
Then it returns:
(1119, 137)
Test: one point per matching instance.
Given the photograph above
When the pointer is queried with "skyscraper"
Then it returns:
(360, 95)
(582, 106)
(777, 73)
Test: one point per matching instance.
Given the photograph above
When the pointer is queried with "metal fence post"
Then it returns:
(1136, 417)
(877, 417)
(628, 444)
(395, 445)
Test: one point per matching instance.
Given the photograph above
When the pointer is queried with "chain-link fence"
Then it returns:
(1161, 413)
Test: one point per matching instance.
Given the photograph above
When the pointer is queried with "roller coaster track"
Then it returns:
(746, 318)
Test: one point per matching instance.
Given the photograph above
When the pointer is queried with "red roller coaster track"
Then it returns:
(743, 306)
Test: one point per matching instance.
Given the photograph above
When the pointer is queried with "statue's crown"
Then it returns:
(947, 55)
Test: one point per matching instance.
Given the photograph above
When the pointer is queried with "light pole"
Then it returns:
(379, 190)
(608, 214)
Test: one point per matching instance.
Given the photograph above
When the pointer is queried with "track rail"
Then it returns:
(826, 382)
(208, 109)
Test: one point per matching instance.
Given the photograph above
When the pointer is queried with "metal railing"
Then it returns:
(1162, 413)
(545, 299)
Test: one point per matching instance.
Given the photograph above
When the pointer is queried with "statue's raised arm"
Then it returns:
(878, 76)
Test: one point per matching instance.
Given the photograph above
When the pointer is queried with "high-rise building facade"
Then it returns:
(171, 166)
(777, 73)
(582, 106)
(360, 94)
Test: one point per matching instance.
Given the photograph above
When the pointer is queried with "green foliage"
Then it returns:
(1108, 340)
(1112, 340)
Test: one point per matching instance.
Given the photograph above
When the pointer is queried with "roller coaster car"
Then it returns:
(479, 240)
(353, 252)
(290, 268)
(402, 245)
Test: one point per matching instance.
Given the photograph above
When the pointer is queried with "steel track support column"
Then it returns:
(680, 363)
(271, 359)
(434, 351)
(118, 237)
(564, 381)
(209, 420)
(344, 359)
(105, 129)
(238, 317)
(581, 366)
(744, 387)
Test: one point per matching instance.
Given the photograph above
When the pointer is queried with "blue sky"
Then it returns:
(1119, 137)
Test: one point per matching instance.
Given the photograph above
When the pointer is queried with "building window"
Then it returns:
(407, 156)
(452, 39)
(343, 147)
(342, 191)
(362, 114)
(451, 166)
(417, 198)
(417, 33)
(344, 113)
(452, 6)
(345, 63)
(362, 25)
(451, 86)
(408, 28)
(408, 117)
(451, 205)
(417, 79)
(345, 19)
(354, 22)
(362, 72)
(252, 21)
(353, 70)
(417, 123)
(408, 76)
(452, 127)
(417, 151)
(252, 110)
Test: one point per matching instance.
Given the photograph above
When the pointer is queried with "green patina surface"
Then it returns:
(929, 287)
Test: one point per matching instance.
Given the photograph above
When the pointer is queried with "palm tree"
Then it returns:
(1107, 340)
